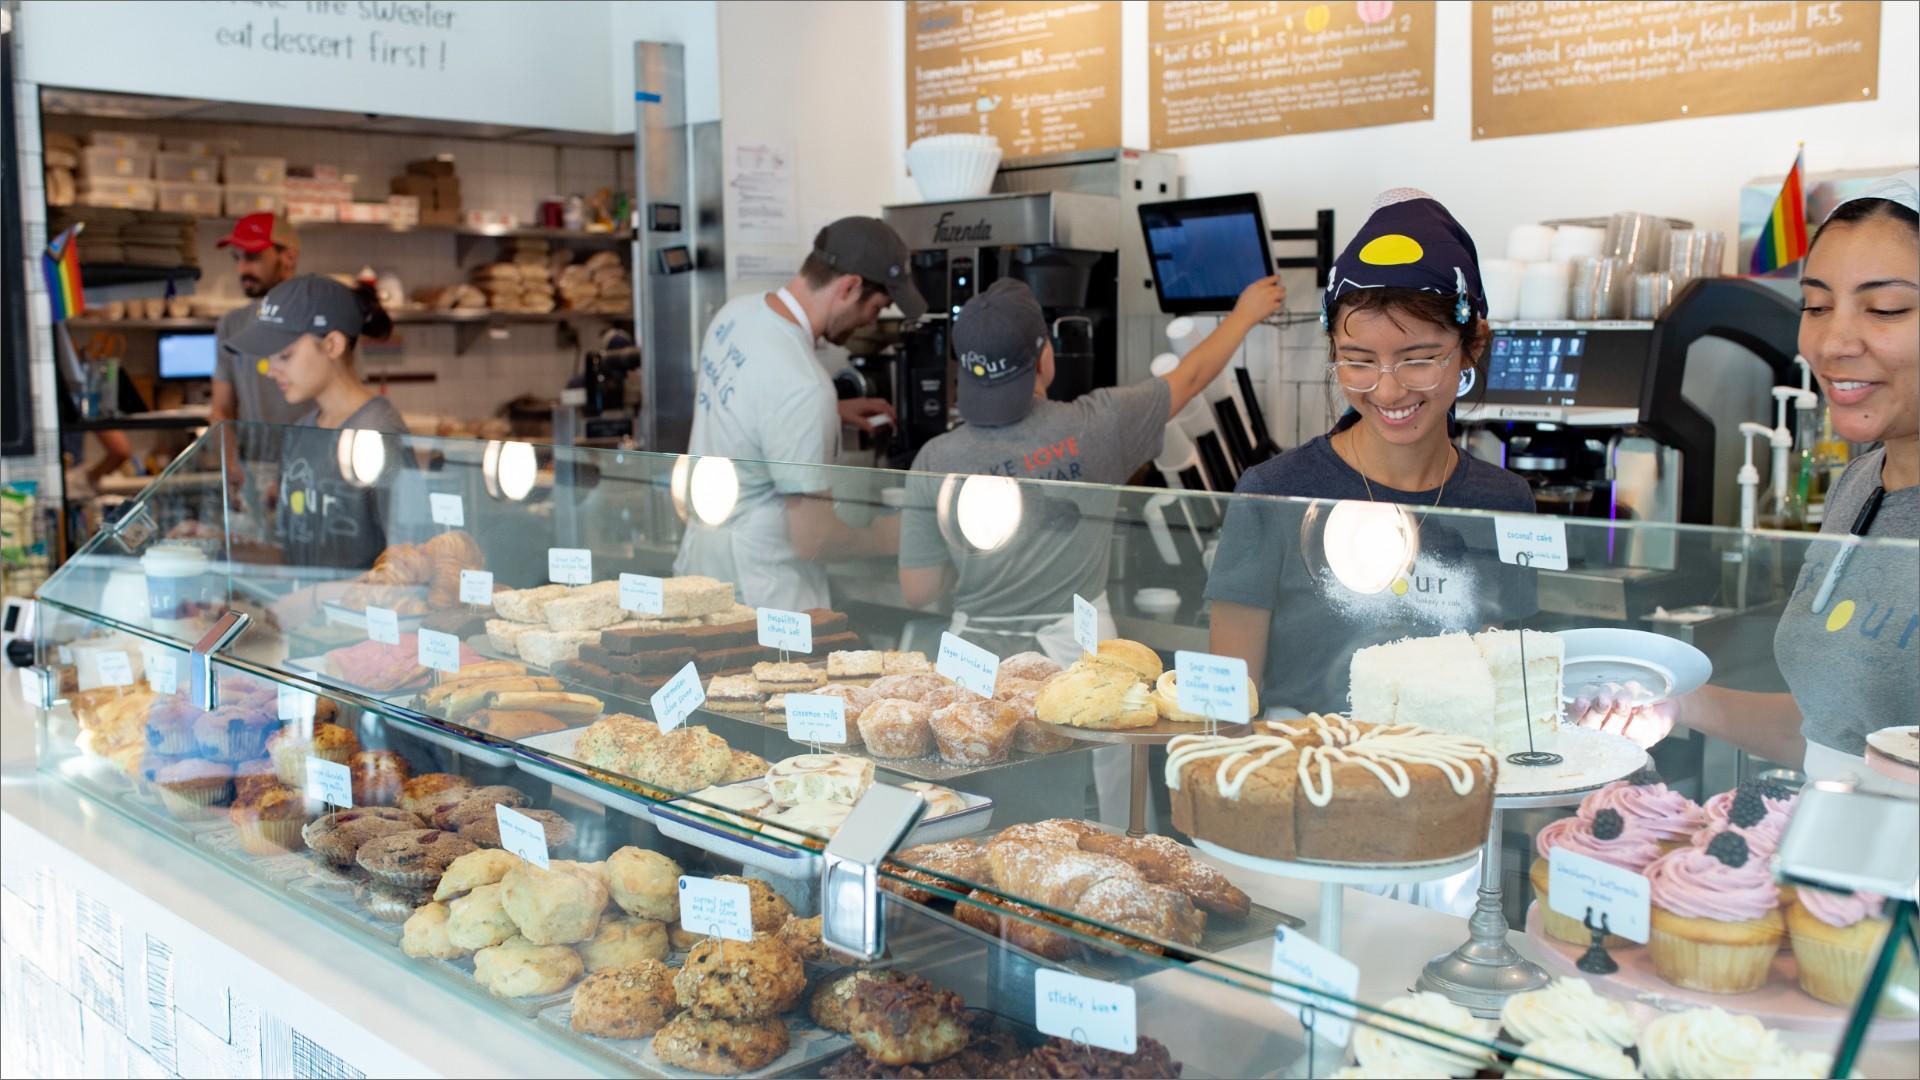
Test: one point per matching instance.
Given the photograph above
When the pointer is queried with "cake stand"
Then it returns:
(1482, 973)
(1142, 740)
(1334, 877)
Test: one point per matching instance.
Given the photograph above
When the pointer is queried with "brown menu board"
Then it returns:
(1570, 66)
(1041, 77)
(1219, 71)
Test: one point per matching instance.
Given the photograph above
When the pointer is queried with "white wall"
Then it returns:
(693, 24)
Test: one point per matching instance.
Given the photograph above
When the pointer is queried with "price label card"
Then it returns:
(476, 587)
(447, 509)
(522, 835)
(1085, 1010)
(1086, 624)
(330, 781)
(718, 908)
(1579, 886)
(296, 704)
(569, 566)
(642, 594)
(788, 630)
(63, 654)
(677, 698)
(163, 668)
(115, 668)
(1327, 982)
(439, 651)
(1213, 686)
(967, 664)
(1531, 540)
(816, 718)
(383, 625)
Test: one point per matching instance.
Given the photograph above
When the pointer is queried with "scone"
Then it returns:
(897, 728)
(646, 884)
(425, 934)
(555, 906)
(479, 920)
(1094, 695)
(472, 870)
(1128, 655)
(622, 941)
(745, 766)
(628, 1002)
(828, 1005)
(906, 1021)
(819, 778)
(611, 742)
(684, 759)
(770, 910)
(518, 968)
(973, 733)
(721, 1047)
(740, 980)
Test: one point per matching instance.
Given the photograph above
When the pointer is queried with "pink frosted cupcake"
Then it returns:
(1607, 836)
(1716, 917)
(1670, 816)
(1835, 938)
(1757, 810)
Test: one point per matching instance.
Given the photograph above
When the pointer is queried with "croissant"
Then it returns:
(401, 564)
(445, 590)
(457, 545)
(1166, 862)
(1095, 886)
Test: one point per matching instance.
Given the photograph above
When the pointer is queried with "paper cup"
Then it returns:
(176, 586)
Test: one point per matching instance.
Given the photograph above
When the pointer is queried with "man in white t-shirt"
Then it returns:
(762, 397)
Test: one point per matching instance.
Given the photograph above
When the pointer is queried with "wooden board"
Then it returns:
(1043, 77)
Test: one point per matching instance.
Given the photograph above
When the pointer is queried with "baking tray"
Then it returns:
(563, 744)
(810, 1046)
(286, 867)
(680, 821)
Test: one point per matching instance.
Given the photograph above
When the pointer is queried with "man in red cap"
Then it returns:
(266, 251)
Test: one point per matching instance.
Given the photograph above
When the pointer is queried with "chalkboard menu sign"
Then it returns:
(1041, 77)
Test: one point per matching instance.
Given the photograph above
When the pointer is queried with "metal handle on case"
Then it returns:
(204, 688)
(850, 876)
(40, 686)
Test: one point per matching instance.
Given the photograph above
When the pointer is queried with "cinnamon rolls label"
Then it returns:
(816, 718)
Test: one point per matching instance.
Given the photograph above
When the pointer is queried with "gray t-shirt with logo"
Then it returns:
(1064, 537)
(1855, 667)
(257, 399)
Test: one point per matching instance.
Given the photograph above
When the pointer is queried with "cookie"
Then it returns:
(740, 980)
(627, 1002)
(721, 1047)
(415, 858)
(337, 837)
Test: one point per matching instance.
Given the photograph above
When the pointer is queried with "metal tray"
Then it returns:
(811, 1045)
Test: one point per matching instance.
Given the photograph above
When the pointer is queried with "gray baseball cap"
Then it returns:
(308, 304)
(998, 337)
(870, 248)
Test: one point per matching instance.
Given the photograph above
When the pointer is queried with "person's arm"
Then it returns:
(816, 532)
(1204, 362)
(920, 586)
(1239, 630)
(119, 450)
(225, 402)
(1765, 724)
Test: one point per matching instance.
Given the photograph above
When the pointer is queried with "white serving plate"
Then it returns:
(776, 858)
(1665, 666)
(1896, 744)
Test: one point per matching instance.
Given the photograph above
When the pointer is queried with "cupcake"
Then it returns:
(234, 732)
(1716, 917)
(1567, 1009)
(1700, 1044)
(378, 776)
(1606, 836)
(1835, 938)
(1573, 1057)
(190, 789)
(290, 750)
(250, 778)
(143, 772)
(270, 822)
(1671, 817)
(170, 726)
(1757, 810)
(1443, 1039)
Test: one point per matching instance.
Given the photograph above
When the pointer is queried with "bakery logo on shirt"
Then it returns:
(1868, 614)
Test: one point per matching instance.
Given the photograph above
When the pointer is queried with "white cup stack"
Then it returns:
(1501, 279)
(1574, 242)
(1545, 291)
(1530, 243)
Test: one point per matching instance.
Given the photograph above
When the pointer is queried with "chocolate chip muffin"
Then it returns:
(413, 859)
(740, 980)
(337, 837)
(721, 1047)
(627, 1002)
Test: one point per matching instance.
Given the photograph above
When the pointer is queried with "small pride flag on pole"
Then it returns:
(1783, 236)
(62, 265)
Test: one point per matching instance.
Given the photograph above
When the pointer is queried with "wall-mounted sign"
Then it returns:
(1217, 72)
(1040, 77)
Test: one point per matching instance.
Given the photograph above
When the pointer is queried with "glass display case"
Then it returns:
(502, 704)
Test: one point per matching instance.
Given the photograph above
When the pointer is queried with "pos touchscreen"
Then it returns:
(1205, 251)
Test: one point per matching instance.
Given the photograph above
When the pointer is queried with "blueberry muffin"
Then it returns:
(413, 859)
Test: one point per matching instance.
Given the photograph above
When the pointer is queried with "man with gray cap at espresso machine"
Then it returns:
(762, 397)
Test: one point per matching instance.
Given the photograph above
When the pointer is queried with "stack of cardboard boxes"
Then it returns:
(433, 183)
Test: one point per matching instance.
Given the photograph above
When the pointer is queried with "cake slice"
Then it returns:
(590, 607)
(787, 678)
(734, 694)
(904, 663)
(527, 605)
(856, 667)
(681, 597)
(1522, 700)
(504, 634)
(731, 616)
(549, 647)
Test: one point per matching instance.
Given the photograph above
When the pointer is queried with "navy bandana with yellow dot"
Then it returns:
(1410, 242)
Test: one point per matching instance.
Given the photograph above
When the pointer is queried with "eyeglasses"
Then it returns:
(1418, 375)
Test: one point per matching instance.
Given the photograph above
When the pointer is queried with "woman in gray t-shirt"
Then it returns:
(1848, 643)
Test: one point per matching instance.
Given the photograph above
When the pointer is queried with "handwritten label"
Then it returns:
(816, 718)
(677, 698)
(439, 651)
(967, 664)
(1213, 686)
(329, 781)
(719, 908)
(296, 704)
(788, 630)
(447, 509)
(1578, 885)
(476, 587)
(1084, 1010)
(522, 835)
(1531, 540)
(114, 667)
(1086, 624)
(642, 594)
(383, 625)
(163, 668)
(569, 566)
(1324, 984)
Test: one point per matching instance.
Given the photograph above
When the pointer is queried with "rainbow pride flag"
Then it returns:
(62, 265)
(1783, 237)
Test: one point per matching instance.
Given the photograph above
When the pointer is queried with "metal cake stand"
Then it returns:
(1335, 877)
(1482, 973)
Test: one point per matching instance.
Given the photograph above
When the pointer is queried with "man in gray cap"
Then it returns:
(762, 397)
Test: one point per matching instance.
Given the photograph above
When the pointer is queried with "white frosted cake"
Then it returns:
(1464, 685)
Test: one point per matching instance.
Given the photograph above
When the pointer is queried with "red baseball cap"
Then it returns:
(258, 232)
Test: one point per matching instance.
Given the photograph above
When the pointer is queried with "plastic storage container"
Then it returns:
(176, 168)
(103, 161)
(242, 170)
(212, 148)
(201, 199)
(124, 141)
(121, 192)
(243, 199)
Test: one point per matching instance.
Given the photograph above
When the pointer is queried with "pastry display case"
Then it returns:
(589, 734)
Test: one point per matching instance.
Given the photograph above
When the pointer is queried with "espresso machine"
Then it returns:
(1063, 224)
